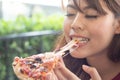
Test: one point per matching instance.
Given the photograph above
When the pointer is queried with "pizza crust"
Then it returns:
(36, 67)
(17, 71)
(25, 72)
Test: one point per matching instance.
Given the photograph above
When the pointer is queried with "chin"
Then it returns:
(77, 56)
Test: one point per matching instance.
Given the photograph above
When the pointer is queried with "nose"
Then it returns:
(77, 23)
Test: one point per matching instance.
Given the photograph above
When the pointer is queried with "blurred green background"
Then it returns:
(26, 35)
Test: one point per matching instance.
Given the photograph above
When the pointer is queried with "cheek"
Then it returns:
(103, 33)
(103, 28)
(66, 28)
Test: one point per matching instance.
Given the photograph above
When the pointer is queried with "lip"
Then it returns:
(77, 36)
(82, 43)
(74, 34)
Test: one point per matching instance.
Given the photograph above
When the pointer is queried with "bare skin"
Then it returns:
(62, 73)
(99, 30)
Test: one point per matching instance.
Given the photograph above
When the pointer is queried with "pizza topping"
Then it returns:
(28, 62)
(21, 70)
(37, 66)
(38, 60)
(32, 66)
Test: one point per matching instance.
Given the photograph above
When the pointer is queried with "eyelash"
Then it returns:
(69, 15)
(91, 16)
(86, 16)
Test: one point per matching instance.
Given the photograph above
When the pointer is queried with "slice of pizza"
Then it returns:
(36, 67)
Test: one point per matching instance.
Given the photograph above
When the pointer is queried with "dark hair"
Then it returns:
(114, 50)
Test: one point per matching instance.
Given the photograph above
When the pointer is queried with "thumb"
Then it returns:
(63, 73)
(92, 72)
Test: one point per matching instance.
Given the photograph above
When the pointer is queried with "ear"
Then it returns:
(117, 26)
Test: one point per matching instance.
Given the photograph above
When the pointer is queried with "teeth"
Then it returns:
(83, 40)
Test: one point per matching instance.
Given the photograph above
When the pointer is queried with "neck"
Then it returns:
(105, 67)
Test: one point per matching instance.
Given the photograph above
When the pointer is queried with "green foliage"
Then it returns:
(37, 22)
(25, 47)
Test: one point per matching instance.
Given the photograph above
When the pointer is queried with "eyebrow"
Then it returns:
(71, 6)
(85, 8)
(89, 7)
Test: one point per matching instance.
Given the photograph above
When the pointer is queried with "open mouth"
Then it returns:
(82, 39)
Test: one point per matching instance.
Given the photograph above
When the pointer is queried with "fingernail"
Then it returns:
(58, 65)
(48, 76)
(85, 66)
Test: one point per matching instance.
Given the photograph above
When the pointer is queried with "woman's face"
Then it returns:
(94, 30)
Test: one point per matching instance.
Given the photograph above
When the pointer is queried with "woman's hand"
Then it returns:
(62, 73)
(92, 72)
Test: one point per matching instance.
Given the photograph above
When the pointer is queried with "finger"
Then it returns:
(61, 61)
(62, 72)
(51, 76)
(60, 75)
(48, 76)
(92, 72)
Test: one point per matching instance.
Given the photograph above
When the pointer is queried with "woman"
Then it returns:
(97, 24)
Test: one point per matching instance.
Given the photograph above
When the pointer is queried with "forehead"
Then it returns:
(84, 3)
(78, 2)
(88, 4)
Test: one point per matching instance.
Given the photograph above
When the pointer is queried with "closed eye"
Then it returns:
(70, 15)
(91, 16)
